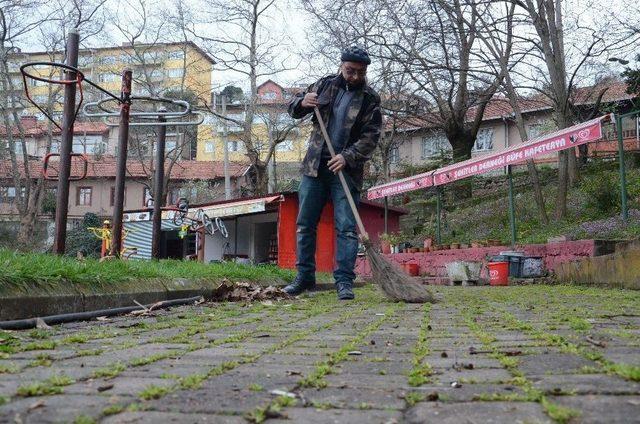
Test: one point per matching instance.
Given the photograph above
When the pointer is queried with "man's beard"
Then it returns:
(351, 87)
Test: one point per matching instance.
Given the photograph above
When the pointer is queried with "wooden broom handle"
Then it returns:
(345, 186)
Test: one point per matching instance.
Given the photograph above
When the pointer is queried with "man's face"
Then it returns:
(354, 73)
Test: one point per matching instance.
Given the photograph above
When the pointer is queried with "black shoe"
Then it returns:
(345, 291)
(298, 286)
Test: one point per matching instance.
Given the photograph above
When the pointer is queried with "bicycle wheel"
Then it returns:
(221, 227)
(209, 227)
(178, 217)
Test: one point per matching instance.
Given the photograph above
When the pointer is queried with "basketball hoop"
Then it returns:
(77, 80)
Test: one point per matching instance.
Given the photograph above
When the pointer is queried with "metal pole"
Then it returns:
(438, 213)
(66, 144)
(225, 146)
(121, 163)
(386, 215)
(623, 174)
(158, 187)
(512, 209)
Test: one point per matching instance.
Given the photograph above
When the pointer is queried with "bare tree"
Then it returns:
(146, 30)
(243, 37)
(433, 43)
(47, 23)
(559, 66)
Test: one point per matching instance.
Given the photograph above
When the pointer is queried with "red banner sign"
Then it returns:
(401, 186)
(550, 143)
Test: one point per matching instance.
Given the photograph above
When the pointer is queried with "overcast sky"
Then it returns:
(294, 22)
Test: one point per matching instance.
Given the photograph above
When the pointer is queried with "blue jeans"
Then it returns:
(312, 196)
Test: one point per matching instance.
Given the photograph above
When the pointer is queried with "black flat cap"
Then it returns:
(355, 54)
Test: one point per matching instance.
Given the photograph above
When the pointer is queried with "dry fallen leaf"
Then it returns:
(37, 404)
(41, 324)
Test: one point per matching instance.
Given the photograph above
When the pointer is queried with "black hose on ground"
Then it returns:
(24, 324)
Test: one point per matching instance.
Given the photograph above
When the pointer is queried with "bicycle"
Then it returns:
(199, 221)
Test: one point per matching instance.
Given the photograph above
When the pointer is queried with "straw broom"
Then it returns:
(396, 284)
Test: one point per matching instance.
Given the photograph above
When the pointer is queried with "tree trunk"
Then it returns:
(29, 217)
(561, 198)
(537, 191)
(262, 179)
(462, 147)
(572, 165)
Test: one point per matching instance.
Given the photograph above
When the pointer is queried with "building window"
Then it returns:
(208, 147)
(188, 193)
(484, 140)
(394, 155)
(112, 197)
(175, 73)
(434, 145)
(535, 131)
(147, 197)
(269, 95)
(176, 55)
(7, 194)
(234, 146)
(107, 77)
(108, 60)
(88, 145)
(83, 196)
(285, 146)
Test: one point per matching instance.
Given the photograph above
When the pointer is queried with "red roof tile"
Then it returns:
(181, 170)
(499, 106)
(33, 128)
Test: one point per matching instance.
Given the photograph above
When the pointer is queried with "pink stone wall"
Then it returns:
(433, 263)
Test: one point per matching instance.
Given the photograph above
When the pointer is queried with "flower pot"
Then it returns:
(455, 245)
(428, 242)
(385, 247)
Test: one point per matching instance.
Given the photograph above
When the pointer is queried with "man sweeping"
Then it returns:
(351, 111)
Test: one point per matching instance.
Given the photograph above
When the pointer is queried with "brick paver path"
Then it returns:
(499, 355)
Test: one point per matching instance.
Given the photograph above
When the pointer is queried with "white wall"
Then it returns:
(213, 248)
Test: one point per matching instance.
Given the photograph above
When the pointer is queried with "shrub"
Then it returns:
(602, 192)
(81, 240)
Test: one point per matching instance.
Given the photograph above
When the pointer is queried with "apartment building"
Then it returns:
(95, 193)
(421, 141)
(271, 121)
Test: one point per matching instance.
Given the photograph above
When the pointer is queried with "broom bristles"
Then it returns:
(396, 284)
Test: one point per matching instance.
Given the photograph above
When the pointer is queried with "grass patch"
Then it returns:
(192, 382)
(25, 270)
(558, 413)
(414, 397)
(42, 360)
(110, 371)
(626, 371)
(84, 419)
(153, 392)
(89, 352)
(112, 410)
(44, 345)
(254, 387)
(40, 334)
(272, 410)
(8, 369)
(76, 338)
(52, 386)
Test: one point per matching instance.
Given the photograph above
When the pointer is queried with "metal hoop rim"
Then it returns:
(99, 104)
(79, 73)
